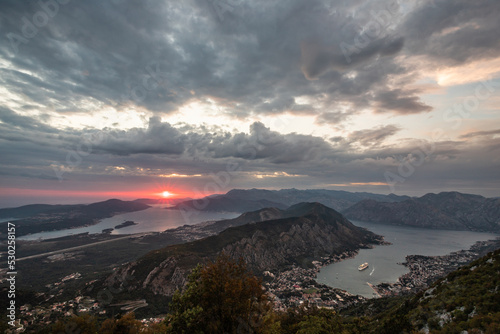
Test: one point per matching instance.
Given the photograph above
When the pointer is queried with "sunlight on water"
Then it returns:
(154, 219)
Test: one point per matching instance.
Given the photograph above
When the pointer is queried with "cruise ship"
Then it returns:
(363, 266)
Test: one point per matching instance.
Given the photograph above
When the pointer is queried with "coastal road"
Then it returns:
(78, 247)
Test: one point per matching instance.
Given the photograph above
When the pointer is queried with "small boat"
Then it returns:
(363, 266)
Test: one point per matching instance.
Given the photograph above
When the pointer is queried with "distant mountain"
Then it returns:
(227, 203)
(111, 207)
(40, 217)
(34, 209)
(309, 231)
(240, 200)
(147, 201)
(446, 210)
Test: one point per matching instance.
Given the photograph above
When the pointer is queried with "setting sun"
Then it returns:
(166, 194)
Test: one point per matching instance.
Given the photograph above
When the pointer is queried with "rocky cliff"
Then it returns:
(306, 232)
(446, 210)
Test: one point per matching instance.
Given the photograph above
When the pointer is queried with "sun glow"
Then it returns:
(166, 194)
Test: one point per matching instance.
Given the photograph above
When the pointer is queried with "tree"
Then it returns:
(127, 324)
(83, 324)
(221, 297)
(319, 325)
(309, 319)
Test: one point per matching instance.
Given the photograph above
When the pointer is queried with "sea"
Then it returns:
(155, 219)
(384, 261)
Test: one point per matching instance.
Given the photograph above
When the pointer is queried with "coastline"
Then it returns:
(425, 270)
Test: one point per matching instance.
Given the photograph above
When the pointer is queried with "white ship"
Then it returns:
(363, 266)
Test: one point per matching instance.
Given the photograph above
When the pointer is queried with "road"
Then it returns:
(77, 247)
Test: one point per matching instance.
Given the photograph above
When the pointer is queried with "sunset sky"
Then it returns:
(129, 99)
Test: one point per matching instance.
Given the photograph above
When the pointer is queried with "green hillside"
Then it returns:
(466, 299)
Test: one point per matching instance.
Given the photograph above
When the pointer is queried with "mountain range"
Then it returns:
(242, 200)
(446, 210)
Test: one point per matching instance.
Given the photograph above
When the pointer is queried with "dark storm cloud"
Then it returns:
(262, 143)
(259, 144)
(153, 54)
(112, 53)
(318, 59)
(454, 31)
(13, 119)
(257, 59)
(159, 138)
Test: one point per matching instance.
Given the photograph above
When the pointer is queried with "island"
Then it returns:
(125, 224)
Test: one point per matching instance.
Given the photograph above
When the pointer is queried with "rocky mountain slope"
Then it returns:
(308, 231)
(242, 200)
(206, 229)
(446, 210)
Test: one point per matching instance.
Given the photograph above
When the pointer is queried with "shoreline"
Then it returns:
(297, 283)
(425, 270)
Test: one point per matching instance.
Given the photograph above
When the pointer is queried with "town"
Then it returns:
(296, 286)
(424, 270)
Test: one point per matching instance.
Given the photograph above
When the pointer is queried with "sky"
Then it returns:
(129, 99)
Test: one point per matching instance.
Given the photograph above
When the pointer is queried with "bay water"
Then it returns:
(383, 260)
(154, 219)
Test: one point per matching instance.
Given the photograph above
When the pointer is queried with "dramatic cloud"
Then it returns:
(305, 93)
(156, 55)
(454, 31)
